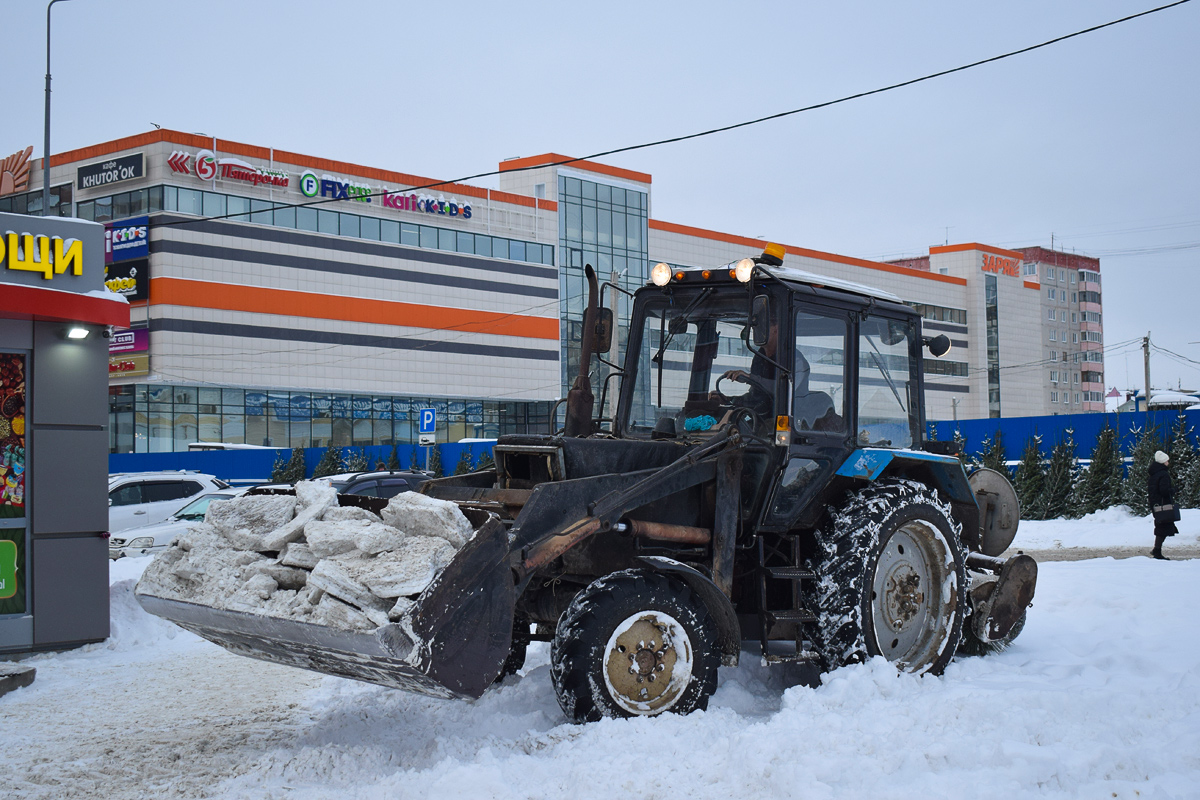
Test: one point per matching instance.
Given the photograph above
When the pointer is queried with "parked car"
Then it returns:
(377, 483)
(137, 499)
(150, 539)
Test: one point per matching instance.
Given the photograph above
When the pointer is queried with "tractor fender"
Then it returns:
(729, 632)
(942, 473)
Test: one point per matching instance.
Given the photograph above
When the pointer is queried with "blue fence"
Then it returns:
(1084, 429)
(254, 466)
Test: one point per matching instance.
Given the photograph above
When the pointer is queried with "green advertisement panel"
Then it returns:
(12, 482)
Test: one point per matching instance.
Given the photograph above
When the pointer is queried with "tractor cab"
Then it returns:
(810, 369)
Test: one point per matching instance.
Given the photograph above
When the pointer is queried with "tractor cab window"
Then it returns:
(695, 368)
(819, 399)
(886, 383)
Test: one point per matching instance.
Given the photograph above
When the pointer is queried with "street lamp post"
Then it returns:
(46, 148)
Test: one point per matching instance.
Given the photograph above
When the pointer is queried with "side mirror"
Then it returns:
(760, 320)
(602, 335)
(938, 345)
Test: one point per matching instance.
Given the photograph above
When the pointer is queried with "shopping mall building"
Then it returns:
(255, 320)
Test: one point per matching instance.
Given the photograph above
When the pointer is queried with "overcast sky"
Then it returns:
(1093, 141)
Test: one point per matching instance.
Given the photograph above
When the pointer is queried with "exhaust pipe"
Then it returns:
(580, 399)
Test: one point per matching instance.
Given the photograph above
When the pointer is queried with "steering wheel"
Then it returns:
(725, 401)
(743, 415)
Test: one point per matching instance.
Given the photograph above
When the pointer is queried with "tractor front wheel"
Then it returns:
(634, 643)
(891, 580)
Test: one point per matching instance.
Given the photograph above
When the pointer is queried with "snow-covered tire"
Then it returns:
(634, 643)
(891, 580)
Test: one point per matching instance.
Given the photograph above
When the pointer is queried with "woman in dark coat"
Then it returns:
(1161, 494)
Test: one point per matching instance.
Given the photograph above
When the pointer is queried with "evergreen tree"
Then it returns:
(356, 461)
(486, 461)
(435, 461)
(1029, 479)
(290, 470)
(414, 459)
(1183, 462)
(961, 442)
(464, 462)
(1191, 485)
(1101, 484)
(1060, 479)
(992, 456)
(330, 463)
(1142, 455)
(393, 460)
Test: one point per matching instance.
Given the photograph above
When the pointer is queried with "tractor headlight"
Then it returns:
(660, 274)
(743, 269)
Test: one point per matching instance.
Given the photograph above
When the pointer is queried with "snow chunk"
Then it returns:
(375, 538)
(313, 498)
(297, 554)
(419, 515)
(405, 571)
(327, 539)
(344, 513)
(258, 514)
(334, 579)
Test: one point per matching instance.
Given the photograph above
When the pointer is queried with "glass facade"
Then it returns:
(31, 202)
(991, 308)
(605, 226)
(261, 212)
(153, 418)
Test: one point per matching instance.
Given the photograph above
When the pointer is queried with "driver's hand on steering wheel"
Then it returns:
(739, 375)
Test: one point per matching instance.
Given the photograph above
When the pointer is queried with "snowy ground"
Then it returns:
(1099, 698)
(1113, 527)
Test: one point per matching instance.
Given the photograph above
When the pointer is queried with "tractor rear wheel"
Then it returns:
(634, 643)
(891, 580)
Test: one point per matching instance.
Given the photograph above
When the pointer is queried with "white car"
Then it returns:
(150, 539)
(137, 499)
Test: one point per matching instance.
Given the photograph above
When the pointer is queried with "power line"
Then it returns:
(734, 126)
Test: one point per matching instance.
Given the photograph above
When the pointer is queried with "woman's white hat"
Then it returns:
(1161, 457)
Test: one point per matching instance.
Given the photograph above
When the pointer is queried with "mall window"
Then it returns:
(601, 225)
(937, 366)
(145, 418)
(31, 202)
(304, 218)
(940, 313)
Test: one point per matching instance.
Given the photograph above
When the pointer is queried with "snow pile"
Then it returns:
(1112, 527)
(308, 559)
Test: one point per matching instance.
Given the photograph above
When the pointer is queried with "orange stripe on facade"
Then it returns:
(986, 248)
(1032, 285)
(284, 302)
(758, 244)
(308, 162)
(586, 166)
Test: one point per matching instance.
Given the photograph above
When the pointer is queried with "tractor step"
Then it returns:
(804, 656)
(790, 573)
(789, 615)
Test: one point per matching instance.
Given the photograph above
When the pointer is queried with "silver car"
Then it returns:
(151, 539)
(138, 499)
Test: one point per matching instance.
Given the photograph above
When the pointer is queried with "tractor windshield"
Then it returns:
(694, 366)
(886, 383)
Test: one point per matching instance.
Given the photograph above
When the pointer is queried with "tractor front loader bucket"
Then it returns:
(452, 643)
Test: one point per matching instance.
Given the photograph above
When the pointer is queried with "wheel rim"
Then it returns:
(913, 597)
(648, 663)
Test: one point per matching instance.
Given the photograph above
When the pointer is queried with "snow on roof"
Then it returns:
(1172, 399)
(803, 276)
